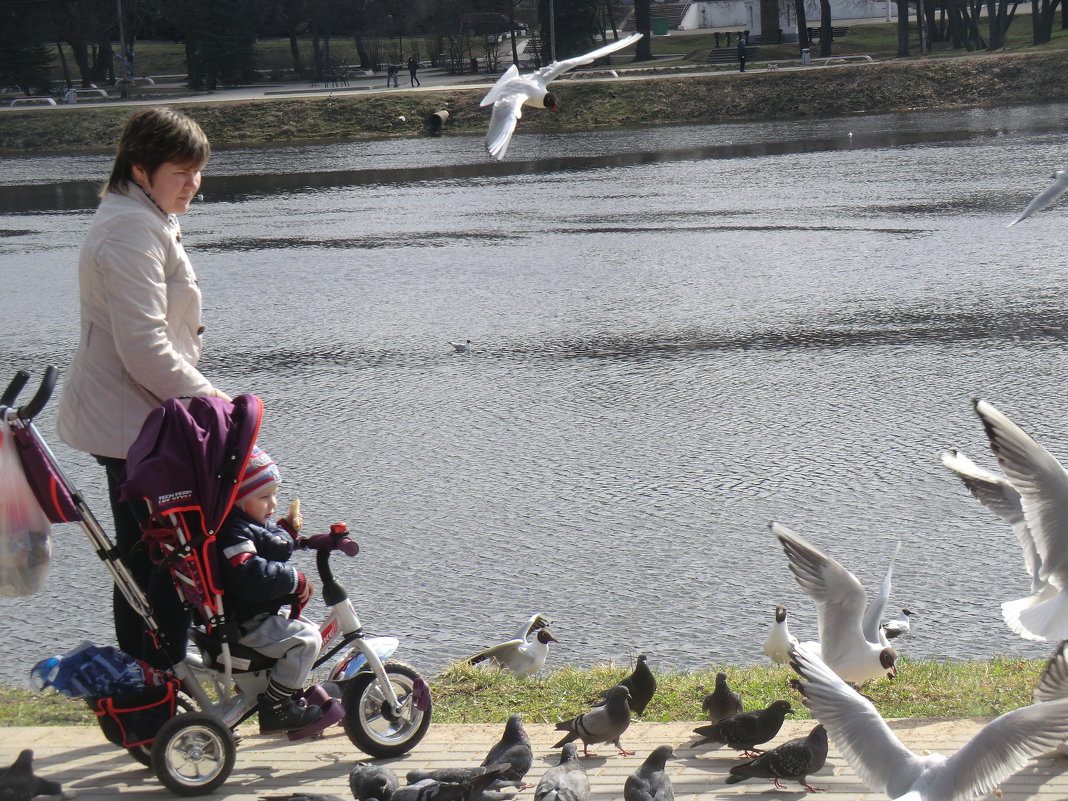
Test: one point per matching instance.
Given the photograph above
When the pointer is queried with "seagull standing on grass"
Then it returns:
(882, 761)
(779, 641)
(512, 91)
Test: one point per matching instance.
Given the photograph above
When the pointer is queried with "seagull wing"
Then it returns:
(506, 113)
(558, 68)
(1000, 497)
(855, 726)
(534, 622)
(874, 614)
(1043, 486)
(1047, 196)
(498, 89)
(1053, 683)
(840, 598)
(502, 652)
(1000, 749)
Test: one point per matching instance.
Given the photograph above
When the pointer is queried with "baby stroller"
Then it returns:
(186, 463)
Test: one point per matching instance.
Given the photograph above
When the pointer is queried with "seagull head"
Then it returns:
(550, 102)
(888, 659)
(545, 636)
(780, 614)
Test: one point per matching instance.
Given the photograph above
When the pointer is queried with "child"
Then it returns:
(258, 581)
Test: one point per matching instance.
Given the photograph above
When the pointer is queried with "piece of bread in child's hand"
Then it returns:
(294, 517)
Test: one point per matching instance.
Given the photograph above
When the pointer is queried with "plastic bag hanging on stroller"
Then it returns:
(25, 544)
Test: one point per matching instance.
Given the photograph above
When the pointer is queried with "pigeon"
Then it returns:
(650, 782)
(369, 781)
(477, 781)
(18, 782)
(430, 790)
(513, 748)
(566, 781)
(746, 730)
(1046, 196)
(795, 760)
(522, 657)
(1053, 683)
(849, 635)
(779, 641)
(898, 627)
(513, 90)
(641, 684)
(1040, 523)
(722, 702)
(602, 724)
(883, 762)
(299, 797)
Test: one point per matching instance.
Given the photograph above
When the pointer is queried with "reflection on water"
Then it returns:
(678, 334)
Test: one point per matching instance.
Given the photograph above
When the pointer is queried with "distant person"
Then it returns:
(743, 52)
(392, 71)
(140, 336)
(413, 67)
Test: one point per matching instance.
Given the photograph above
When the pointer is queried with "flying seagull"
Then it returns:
(1047, 196)
(849, 636)
(883, 762)
(512, 91)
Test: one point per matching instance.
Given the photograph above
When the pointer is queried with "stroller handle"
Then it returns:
(14, 388)
(40, 398)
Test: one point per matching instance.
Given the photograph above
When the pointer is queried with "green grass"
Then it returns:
(466, 694)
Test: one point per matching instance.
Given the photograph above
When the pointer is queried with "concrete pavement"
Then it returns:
(82, 760)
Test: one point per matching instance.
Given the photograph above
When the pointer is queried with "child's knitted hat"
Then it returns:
(261, 470)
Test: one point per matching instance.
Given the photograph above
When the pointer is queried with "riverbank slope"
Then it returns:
(700, 98)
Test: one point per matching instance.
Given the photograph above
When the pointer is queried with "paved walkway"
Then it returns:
(81, 759)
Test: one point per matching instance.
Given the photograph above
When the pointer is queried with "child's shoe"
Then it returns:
(285, 715)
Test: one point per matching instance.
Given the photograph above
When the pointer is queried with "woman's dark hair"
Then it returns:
(153, 137)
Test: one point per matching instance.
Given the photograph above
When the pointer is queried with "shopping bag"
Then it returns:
(25, 544)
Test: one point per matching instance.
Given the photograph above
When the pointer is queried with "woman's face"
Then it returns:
(172, 186)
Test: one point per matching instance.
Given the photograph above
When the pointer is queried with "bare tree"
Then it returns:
(643, 50)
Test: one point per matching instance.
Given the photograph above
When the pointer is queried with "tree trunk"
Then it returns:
(63, 63)
(294, 51)
(643, 51)
(825, 28)
(902, 28)
(802, 24)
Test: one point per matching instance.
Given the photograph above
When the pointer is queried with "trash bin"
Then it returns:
(660, 26)
(806, 57)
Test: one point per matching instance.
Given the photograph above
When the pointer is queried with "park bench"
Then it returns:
(836, 33)
(729, 55)
(74, 95)
(33, 101)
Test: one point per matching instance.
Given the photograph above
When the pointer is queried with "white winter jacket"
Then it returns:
(140, 333)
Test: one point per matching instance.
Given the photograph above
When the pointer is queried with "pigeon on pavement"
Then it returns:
(881, 760)
(369, 781)
(746, 730)
(898, 627)
(566, 781)
(478, 780)
(722, 702)
(794, 760)
(602, 724)
(18, 782)
(512, 91)
(298, 797)
(522, 657)
(650, 782)
(513, 748)
(430, 790)
(779, 640)
(641, 684)
(849, 636)
(1046, 196)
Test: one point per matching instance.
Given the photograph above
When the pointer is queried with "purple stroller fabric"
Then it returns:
(44, 478)
(190, 455)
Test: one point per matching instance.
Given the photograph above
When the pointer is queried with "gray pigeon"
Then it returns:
(477, 780)
(513, 748)
(649, 782)
(722, 702)
(794, 760)
(301, 797)
(17, 783)
(566, 781)
(368, 781)
(430, 790)
(602, 724)
(746, 730)
(642, 685)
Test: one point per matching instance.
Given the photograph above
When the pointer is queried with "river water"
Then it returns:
(679, 334)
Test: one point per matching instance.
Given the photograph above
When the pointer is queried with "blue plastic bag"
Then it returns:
(94, 671)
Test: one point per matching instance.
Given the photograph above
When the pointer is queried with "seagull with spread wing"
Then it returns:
(1046, 196)
(512, 91)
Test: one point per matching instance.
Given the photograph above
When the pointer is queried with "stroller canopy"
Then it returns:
(191, 454)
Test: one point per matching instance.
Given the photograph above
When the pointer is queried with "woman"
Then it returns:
(140, 331)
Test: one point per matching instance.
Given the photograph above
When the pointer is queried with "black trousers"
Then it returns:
(131, 632)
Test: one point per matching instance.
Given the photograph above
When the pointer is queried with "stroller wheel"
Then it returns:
(371, 723)
(193, 753)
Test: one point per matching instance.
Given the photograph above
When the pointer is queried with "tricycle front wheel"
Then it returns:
(372, 724)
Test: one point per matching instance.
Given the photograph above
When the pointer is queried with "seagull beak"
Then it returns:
(892, 673)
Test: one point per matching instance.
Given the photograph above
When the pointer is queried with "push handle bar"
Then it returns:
(14, 388)
(40, 398)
